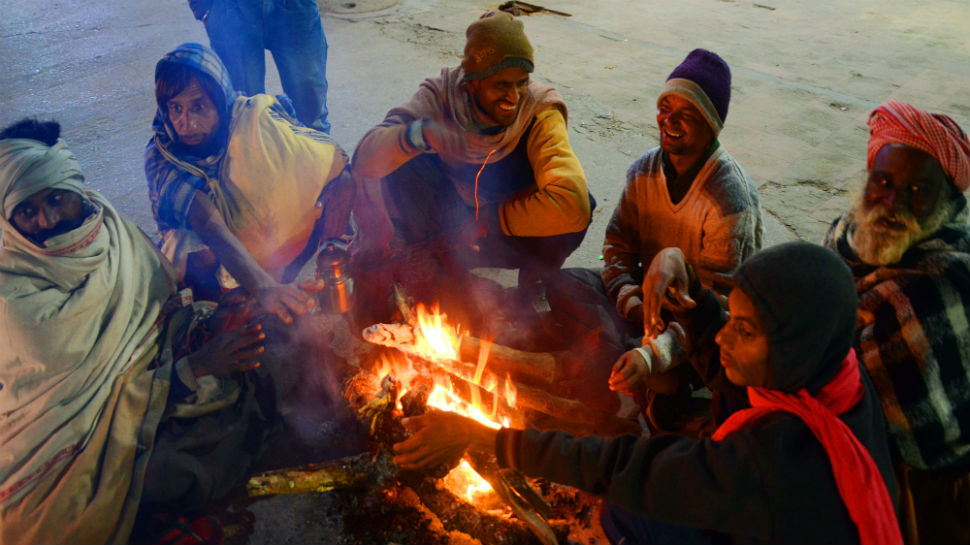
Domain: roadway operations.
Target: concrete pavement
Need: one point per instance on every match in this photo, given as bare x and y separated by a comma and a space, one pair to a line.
805, 77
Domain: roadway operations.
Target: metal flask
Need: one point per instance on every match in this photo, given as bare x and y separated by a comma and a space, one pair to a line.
332, 268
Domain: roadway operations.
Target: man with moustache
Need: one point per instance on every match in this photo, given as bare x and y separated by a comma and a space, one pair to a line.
107, 370
688, 193
241, 193
907, 242
475, 170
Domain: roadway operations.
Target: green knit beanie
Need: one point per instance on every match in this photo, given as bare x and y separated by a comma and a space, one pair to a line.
495, 41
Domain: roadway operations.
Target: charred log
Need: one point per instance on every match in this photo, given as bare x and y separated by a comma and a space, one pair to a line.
456, 514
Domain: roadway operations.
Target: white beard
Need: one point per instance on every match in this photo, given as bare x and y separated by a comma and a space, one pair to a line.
877, 245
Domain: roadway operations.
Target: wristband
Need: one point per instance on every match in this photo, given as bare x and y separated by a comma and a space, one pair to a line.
415, 135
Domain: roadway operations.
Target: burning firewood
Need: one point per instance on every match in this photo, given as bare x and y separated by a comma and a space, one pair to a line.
528, 397
373, 471
542, 366
490, 529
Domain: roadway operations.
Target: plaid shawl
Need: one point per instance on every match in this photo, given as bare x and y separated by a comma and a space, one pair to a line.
913, 336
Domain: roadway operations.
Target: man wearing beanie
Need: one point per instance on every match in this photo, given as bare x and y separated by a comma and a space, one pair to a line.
474, 170
687, 193
907, 242
806, 462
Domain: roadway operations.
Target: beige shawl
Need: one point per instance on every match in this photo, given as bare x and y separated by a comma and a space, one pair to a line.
78, 331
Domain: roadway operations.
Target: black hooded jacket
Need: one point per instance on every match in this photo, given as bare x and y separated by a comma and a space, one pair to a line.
769, 482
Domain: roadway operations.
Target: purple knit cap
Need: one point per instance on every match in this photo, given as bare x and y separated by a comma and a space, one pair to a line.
705, 80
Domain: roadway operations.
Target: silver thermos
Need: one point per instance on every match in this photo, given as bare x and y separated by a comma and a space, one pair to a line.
332, 268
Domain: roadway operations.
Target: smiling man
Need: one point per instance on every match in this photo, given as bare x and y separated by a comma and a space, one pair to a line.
907, 241
478, 157
687, 193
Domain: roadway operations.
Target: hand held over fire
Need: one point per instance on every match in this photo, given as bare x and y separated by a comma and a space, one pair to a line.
440, 437
629, 371
286, 300
228, 352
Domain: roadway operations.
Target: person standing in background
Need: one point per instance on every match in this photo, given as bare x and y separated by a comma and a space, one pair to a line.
240, 30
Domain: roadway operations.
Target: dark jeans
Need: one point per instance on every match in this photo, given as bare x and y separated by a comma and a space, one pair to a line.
425, 209
240, 30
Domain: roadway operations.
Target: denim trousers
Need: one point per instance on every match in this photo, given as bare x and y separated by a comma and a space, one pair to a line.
240, 30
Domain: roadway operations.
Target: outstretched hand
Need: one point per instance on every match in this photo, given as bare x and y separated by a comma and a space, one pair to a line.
440, 437
228, 352
665, 285
285, 300
629, 371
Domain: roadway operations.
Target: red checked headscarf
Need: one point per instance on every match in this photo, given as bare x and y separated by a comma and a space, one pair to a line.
935, 134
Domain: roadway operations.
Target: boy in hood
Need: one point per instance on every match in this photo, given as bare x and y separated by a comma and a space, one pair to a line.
808, 462
237, 185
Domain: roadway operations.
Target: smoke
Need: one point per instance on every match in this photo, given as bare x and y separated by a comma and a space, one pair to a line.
307, 362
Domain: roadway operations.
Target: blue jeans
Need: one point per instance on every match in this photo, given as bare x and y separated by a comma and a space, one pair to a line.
240, 30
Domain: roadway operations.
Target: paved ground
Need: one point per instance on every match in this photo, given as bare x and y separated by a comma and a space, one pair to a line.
806, 74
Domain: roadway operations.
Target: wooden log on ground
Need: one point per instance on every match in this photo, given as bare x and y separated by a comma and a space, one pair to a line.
362, 470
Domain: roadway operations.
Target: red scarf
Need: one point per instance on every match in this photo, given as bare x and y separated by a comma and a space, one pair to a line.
860, 483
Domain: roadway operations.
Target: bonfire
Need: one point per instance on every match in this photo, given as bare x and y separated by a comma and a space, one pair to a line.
426, 363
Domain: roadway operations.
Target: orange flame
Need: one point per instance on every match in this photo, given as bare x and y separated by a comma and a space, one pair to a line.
439, 342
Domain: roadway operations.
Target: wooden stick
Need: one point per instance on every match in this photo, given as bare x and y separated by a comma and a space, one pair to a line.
503, 359
353, 471
569, 410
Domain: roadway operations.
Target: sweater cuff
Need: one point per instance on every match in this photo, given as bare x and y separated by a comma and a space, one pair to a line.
647, 356
506, 447
415, 135
629, 297
666, 349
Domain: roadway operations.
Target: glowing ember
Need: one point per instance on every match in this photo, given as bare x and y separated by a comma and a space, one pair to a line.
464, 482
